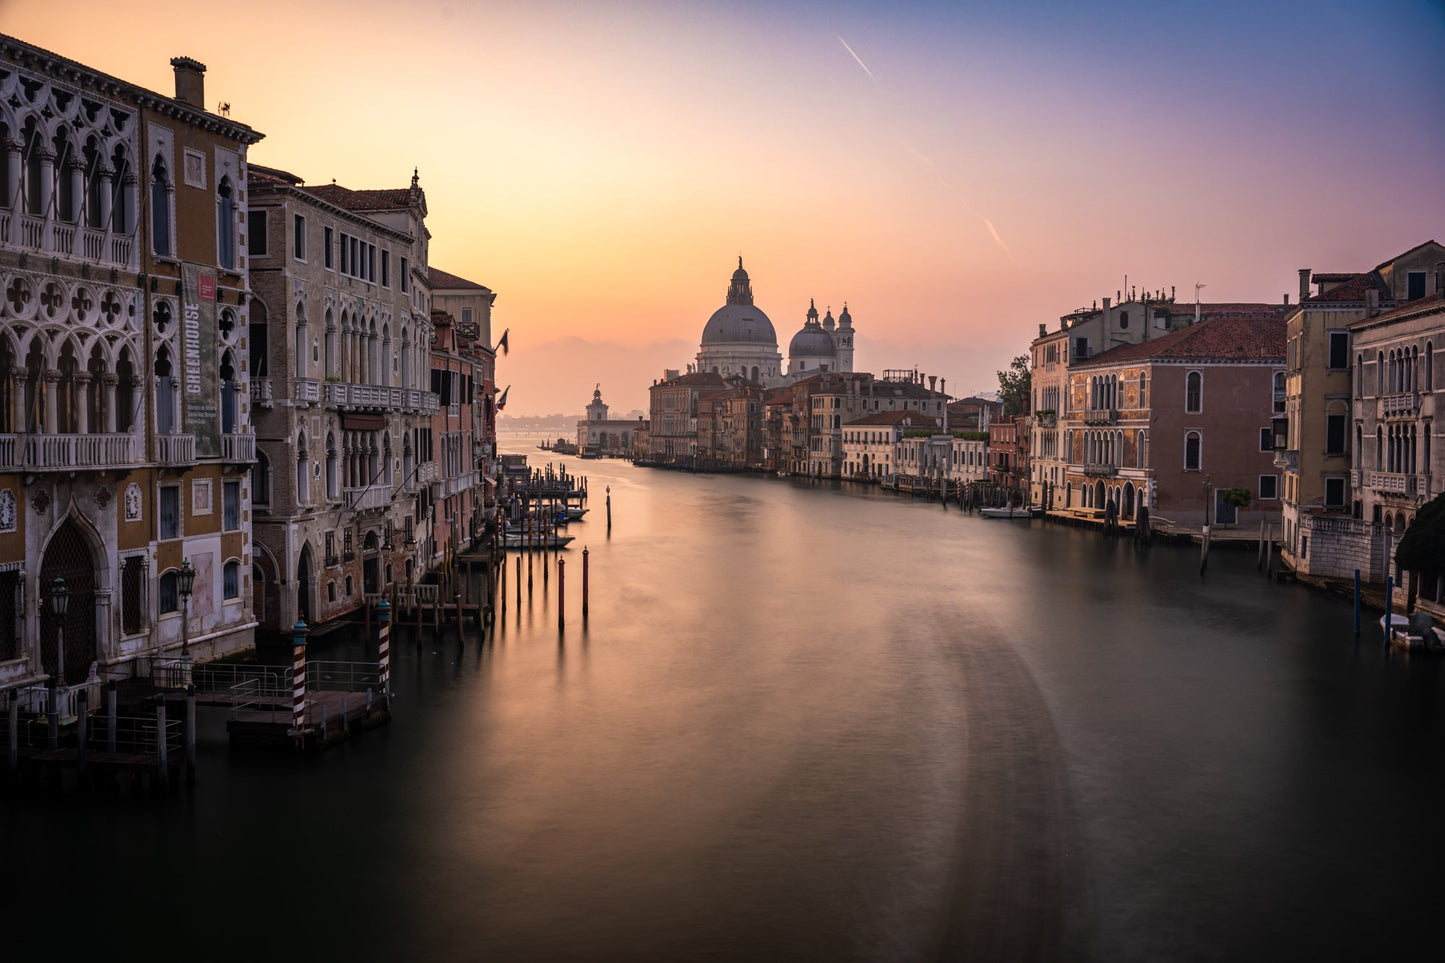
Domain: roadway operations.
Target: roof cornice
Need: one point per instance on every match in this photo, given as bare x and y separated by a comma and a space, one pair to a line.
87, 78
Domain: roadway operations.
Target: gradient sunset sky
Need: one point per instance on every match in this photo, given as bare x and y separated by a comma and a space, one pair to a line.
957, 172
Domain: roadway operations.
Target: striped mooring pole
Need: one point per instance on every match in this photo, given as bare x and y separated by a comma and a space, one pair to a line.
383, 650
298, 677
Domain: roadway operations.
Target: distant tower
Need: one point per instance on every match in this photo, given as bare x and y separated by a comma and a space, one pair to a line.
844, 338
597, 410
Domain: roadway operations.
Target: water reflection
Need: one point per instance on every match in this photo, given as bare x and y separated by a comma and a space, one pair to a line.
811, 721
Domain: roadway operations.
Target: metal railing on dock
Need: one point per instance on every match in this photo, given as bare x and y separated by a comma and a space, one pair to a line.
343, 676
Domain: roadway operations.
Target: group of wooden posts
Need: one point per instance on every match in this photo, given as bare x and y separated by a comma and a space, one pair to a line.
493, 591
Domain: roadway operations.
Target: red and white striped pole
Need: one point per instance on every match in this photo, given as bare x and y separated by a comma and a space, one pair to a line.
298, 677
383, 650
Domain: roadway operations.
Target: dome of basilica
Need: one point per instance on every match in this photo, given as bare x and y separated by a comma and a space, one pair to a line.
739, 321
812, 342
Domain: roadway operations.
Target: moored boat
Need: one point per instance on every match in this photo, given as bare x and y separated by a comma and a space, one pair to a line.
1010, 511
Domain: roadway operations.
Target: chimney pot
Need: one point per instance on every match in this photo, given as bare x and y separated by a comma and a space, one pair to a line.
1286, 299
1304, 284
190, 81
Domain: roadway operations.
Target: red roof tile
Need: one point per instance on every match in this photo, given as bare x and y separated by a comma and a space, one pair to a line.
1229, 338
384, 199
913, 418
1355, 289
441, 279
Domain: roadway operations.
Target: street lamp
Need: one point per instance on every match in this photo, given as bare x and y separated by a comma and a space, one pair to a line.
185, 581
59, 604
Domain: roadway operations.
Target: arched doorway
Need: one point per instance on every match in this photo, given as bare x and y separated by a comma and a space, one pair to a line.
265, 597
1129, 500
69, 556
305, 611
1098, 494
370, 565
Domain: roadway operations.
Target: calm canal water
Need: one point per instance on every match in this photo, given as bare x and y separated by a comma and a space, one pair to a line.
808, 722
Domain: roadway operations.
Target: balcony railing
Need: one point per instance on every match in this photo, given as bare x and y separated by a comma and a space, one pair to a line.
60, 237
368, 499
1101, 471
1101, 416
1402, 405
307, 391
1046, 419
261, 392
238, 449
176, 449
97, 452
1396, 483
425, 474
342, 394
1287, 460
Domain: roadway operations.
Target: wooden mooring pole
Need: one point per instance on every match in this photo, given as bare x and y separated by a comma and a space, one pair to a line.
298, 680
584, 584
561, 593
383, 651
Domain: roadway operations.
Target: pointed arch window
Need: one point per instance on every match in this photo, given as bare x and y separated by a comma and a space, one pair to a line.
161, 209
225, 225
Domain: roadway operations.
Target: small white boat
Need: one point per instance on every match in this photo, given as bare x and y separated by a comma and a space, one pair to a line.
1012, 511
520, 540
1394, 620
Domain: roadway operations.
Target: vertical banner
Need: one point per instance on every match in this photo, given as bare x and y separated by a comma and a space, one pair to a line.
200, 375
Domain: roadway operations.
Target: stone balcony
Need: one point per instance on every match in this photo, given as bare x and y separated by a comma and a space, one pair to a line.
90, 452
372, 498
1101, 416
1405, 404
306, 391
1093, 470
1396, 483
238, 449
1287, 460
176, 450
425, 474
379, 397
28, 232
261, 392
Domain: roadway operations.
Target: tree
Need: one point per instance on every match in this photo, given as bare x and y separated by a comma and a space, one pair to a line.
1015, 386
1422, 549
1236, 497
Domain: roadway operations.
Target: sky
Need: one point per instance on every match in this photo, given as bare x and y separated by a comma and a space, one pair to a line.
957, 173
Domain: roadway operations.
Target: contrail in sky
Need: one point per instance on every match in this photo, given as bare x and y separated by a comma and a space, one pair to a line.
994, 231
857, 58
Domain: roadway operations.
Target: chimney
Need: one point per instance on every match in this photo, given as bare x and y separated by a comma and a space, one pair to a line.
190, 81
1286, 299
1044, 328
1106, 307
932, 382
1373, 300
1304, 284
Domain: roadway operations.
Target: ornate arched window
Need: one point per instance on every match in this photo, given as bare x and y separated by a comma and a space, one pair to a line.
161, 209
225, 225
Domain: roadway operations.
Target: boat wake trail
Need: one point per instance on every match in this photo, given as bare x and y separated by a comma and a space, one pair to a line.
1017, 888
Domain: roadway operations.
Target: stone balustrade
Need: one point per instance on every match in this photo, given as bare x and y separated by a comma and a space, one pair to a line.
377, 496
176, 449
238, 449
96, 452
